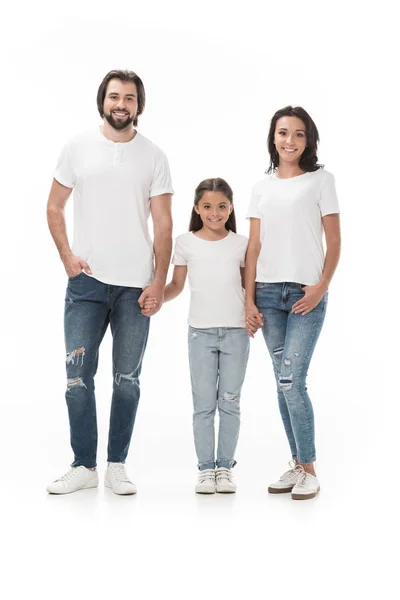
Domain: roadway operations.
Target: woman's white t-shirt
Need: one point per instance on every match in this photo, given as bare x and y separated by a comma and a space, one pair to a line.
291, 212
217, 296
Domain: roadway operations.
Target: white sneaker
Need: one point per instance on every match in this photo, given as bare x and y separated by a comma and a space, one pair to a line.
307, 486
206, 482
77, 478
117, 479
288, 480
224, 481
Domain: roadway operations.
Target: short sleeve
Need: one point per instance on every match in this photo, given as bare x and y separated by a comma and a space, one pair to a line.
161, 183
180, 257
328, 202
64, 172
243, 249
253, 210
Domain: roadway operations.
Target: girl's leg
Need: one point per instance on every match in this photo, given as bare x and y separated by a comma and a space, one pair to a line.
301, 337
233, 344
203, 360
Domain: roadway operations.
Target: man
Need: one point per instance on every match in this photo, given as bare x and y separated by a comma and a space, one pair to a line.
119, 178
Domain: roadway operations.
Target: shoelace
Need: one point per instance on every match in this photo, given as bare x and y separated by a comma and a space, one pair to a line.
302, 478
71, 473
294, 469
120, 473
206, 475
223, 473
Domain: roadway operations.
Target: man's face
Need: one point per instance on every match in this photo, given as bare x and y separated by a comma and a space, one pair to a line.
120, 103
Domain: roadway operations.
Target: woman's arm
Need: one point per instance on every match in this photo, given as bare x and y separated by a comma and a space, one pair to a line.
254, 318
314, 293
331, 225
174, 288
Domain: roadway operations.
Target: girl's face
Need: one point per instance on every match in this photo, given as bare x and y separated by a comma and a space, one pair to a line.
214, 209
290, 139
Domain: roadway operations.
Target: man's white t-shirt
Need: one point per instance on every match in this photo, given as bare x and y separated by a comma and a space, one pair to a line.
291, 212
217, 296
113, 186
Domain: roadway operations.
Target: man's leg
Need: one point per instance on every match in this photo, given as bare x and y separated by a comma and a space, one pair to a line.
130, 332
85, 323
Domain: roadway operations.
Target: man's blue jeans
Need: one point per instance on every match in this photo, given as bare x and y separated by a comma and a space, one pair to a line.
291, 340
89, 307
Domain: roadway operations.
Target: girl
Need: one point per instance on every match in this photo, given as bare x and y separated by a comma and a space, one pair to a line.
287, 277
214, 256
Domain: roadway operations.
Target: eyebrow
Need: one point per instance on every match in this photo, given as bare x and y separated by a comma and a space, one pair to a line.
126, 95
284, 129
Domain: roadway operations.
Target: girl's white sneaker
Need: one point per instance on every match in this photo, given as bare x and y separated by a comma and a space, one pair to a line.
206, 482
224, 483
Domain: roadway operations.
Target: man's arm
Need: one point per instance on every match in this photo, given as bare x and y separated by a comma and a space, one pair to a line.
162, 227
58, 197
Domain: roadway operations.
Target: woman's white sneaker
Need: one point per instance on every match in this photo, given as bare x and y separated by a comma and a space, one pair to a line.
224, 483
117, 479
288, 480
77, 478
307, 486
206, 482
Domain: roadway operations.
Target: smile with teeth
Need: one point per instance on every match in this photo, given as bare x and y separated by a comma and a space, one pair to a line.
215, 220
290, 149
118, 113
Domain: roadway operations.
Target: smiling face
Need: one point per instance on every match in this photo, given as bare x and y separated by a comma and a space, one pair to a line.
214, 209
290, 139
120, 103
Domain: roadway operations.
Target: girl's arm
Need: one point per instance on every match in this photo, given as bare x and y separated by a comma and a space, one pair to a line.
254, 318
314, 293
174, 288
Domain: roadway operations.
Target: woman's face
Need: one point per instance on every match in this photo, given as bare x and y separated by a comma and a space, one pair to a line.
290, 139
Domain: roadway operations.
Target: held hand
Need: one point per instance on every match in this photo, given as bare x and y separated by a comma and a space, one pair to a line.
74, 265
312, 297
254, 319
151, 299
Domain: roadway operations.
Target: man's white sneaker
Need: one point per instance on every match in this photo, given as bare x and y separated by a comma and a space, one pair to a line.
206, 482
288, 480
77, 478
307, 486
117, 479
224, 483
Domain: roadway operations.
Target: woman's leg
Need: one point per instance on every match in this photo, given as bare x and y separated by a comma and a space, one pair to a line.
269, 302
302, 333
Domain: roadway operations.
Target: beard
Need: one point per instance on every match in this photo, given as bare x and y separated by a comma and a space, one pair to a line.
118, 124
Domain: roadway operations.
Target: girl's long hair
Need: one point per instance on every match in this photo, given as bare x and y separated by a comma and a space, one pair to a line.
215, 184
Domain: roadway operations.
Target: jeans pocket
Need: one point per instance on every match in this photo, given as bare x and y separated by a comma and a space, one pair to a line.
260, 285
75, 276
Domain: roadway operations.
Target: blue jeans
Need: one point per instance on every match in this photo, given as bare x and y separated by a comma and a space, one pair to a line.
218, 359
291, 340
89, 307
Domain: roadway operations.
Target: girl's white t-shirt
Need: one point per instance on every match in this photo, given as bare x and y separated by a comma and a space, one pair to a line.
217, 296
291, 212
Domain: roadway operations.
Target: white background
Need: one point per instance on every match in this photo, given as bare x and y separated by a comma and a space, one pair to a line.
214, 74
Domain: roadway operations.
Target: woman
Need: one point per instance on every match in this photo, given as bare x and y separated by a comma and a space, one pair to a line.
288, 275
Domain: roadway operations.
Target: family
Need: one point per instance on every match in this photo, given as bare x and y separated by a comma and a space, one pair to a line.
277, 280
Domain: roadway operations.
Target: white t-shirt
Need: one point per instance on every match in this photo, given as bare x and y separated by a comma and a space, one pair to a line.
291, 212
217, 296
113, 186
